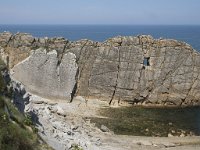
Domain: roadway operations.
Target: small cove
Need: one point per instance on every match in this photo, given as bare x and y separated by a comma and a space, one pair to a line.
142, 121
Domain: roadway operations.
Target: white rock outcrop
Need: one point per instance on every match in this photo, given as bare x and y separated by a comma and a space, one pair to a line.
44, 74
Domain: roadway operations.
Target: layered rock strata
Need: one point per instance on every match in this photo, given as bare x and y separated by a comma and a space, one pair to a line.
137, 70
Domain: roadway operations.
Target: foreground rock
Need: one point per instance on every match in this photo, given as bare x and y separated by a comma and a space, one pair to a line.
135, 70
62, 126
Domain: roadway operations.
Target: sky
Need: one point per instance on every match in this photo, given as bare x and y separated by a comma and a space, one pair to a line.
130, 12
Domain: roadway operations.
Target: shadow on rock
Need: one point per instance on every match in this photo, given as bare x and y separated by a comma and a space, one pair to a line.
34, 118
16, 91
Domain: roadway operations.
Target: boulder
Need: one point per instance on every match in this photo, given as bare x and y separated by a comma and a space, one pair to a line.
104, 128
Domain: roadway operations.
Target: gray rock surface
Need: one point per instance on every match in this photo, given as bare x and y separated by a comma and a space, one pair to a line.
135, 70
62, 128
43, 74
104, 128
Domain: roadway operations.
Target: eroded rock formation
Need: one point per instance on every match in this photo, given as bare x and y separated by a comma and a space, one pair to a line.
138, 69
43, 74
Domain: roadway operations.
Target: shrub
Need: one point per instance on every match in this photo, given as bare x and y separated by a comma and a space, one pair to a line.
75, 147
13, 134
2, 82
28, 120
13, 137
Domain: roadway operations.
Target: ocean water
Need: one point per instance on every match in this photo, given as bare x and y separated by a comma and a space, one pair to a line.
189, 34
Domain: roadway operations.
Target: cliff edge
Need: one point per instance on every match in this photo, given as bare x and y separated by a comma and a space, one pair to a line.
133, 70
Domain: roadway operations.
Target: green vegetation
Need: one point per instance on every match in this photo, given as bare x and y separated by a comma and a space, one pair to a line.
141, 121
2, 83
16, 129
76, 147
13, 134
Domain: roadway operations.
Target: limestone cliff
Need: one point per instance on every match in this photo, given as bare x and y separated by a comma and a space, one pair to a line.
137, 70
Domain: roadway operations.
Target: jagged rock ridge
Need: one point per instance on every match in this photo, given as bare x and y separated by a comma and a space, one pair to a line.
122, 69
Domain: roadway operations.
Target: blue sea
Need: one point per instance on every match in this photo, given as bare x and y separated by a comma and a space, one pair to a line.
189, 34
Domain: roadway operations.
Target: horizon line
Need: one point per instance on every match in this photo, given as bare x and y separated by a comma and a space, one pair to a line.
113, 24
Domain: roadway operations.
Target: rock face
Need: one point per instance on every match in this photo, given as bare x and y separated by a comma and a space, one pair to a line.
43, 74
137, 70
